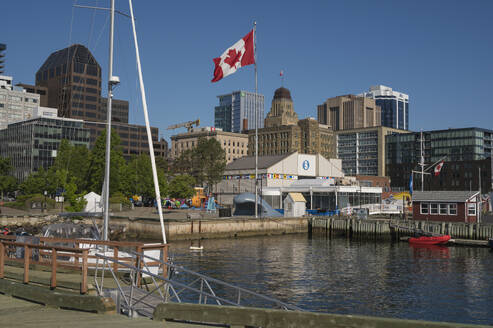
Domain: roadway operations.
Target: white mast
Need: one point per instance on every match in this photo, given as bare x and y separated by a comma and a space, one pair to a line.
148, 128
106, 184
422, 161
256, 117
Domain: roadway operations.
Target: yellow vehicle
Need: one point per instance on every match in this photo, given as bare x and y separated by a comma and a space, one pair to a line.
199, 199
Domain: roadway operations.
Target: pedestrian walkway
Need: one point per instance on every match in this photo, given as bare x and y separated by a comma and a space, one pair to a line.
19, 313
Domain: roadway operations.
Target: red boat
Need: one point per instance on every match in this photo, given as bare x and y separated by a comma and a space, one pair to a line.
429, 240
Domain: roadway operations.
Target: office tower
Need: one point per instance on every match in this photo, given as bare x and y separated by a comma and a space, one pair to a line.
362, 151
349, 112
73, 79
236, 111
394, 105
464, 151
33, 143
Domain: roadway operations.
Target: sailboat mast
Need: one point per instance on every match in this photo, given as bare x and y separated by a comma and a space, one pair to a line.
422, 162
106, 184
148, 128
256, 117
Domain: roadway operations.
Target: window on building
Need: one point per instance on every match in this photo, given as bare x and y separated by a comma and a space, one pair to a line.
443, 209
79, 68
471, 209
433, 209
425, 208
452, 210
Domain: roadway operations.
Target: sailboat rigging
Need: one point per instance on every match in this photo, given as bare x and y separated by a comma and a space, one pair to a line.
113, 81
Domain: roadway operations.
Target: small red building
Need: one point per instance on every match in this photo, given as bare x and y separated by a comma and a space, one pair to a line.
450, 206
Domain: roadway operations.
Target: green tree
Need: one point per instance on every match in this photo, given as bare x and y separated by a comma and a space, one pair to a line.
206, 162
7, 181
181, 186
35, 183
97, 160
76, 201
75, 161
138, 179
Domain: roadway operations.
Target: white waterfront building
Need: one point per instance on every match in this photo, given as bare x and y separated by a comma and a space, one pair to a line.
321, 181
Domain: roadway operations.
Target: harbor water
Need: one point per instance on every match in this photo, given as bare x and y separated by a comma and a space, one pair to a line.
341, 276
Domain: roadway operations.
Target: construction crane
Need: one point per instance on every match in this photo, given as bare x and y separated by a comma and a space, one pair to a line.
189, 125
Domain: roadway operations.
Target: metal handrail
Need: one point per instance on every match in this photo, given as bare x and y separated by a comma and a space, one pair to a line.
207, 278
169, 285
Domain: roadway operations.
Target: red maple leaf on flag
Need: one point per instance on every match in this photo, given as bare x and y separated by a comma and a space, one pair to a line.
233, 57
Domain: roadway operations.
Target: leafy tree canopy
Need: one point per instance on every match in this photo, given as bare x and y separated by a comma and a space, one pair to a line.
181, 186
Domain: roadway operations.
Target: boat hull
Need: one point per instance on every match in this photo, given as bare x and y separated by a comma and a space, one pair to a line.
425, 240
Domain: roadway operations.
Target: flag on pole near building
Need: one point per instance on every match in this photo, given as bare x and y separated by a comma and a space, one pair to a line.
238, 55
411, 184
282, 73
438, 168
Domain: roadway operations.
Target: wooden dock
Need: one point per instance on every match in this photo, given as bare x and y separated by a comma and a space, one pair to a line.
476, 234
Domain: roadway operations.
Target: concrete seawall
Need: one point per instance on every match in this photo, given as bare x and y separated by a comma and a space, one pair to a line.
211, 228
179, 229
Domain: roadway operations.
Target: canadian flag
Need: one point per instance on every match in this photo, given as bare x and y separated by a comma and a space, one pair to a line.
438, 168
238, 55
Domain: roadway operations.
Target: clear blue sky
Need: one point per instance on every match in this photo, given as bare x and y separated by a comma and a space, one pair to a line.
439, 52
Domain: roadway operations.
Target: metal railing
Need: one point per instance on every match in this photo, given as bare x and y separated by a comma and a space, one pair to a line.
179, 284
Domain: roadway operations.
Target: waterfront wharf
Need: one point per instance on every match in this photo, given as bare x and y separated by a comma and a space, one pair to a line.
16, 312
395, 229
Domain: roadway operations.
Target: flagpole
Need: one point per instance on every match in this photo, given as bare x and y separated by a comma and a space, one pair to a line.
256, 117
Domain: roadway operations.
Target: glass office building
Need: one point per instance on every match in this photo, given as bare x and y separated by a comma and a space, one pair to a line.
394, 106
362, 151
464, 152
236, 111
33, 144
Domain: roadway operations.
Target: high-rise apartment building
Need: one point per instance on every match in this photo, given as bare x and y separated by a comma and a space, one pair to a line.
394, 105
349, 112
3, 47
236, 111
72, 77
15, 103
285, 133
465, 151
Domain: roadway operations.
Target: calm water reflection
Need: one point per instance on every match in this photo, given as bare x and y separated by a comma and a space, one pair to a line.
341, 276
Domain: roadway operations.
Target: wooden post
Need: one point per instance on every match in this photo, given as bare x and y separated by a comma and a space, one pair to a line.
165, 259
26, 264
83, 287
138, 260
115, 257
2, 258
53, 268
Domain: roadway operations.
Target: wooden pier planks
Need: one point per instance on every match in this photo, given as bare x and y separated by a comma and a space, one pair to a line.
383, 229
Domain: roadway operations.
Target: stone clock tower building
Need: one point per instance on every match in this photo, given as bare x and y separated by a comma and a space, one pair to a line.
284, 133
